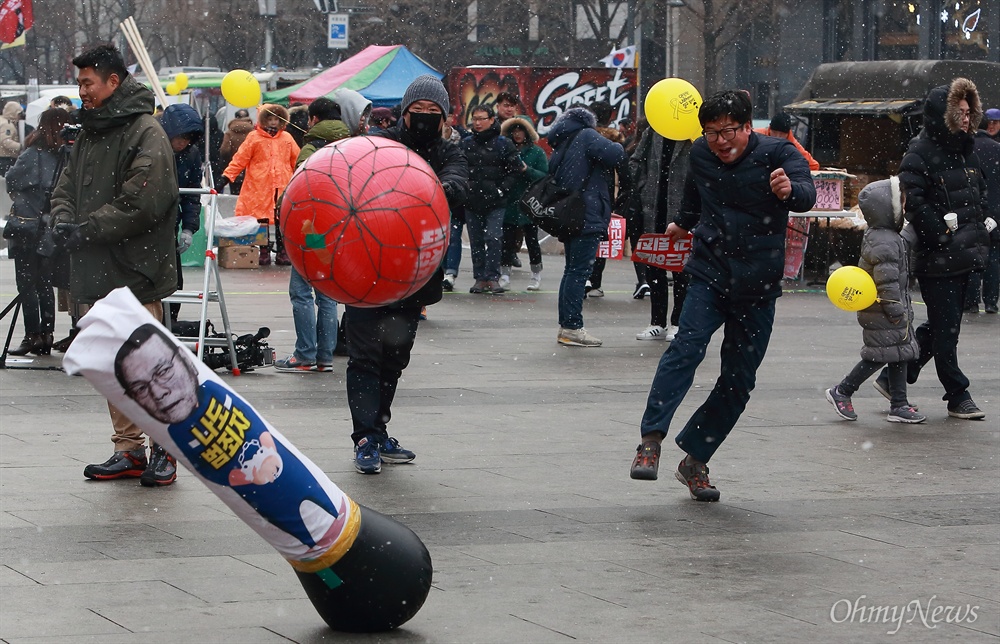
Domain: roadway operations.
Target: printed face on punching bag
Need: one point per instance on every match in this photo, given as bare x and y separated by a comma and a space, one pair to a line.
156, 377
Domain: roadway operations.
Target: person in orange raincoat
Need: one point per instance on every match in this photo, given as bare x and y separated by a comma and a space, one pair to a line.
781, 127
268, 156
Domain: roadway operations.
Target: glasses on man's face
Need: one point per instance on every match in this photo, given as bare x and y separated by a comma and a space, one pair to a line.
162, 373
727, 134
481, 118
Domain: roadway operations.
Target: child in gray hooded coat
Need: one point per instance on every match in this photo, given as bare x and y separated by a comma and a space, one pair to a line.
886, 324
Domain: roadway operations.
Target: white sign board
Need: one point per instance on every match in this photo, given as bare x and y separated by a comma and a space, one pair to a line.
336, 30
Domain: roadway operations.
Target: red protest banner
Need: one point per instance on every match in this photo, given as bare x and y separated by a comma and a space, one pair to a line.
657, 250
614, 248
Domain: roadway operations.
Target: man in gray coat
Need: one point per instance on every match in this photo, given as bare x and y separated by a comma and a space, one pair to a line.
658, 167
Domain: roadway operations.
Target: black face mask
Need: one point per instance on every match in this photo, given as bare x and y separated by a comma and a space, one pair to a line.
425, 127
273, 131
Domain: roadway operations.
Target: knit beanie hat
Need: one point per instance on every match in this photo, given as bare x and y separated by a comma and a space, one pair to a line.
781, 122
426, 88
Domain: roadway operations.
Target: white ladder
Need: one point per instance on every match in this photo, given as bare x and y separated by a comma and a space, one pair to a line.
204, 296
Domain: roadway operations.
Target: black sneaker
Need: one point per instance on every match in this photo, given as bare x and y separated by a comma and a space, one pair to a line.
646, 461
695, 477
842, 403
641, 291
391, 452
967, 410
120, 465
162, 469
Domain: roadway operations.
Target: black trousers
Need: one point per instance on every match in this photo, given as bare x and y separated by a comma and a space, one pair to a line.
379, 341
938, 336
38, 303
659, 302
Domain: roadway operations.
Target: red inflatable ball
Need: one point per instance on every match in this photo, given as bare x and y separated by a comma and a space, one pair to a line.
365, 221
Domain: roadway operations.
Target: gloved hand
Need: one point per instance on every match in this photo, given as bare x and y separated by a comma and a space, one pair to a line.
184, 242
223, 182
73, 236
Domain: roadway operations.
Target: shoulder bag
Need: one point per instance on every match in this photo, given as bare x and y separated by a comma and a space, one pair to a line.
557, 210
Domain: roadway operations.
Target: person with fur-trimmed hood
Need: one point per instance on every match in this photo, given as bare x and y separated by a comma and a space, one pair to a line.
888, 323
583, 160
237, 131
268, 156
10, 141
522, 133
940, 174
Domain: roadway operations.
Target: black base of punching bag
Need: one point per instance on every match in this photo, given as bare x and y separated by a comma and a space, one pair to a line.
380, 583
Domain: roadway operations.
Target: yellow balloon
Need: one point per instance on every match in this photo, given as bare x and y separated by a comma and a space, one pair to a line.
241, 89
181, 80
173, 89
671, 108
851, 288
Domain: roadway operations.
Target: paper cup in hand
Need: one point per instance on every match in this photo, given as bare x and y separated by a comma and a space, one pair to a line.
951, 219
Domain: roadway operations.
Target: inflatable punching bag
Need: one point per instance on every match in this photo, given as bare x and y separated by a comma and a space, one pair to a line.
363, 571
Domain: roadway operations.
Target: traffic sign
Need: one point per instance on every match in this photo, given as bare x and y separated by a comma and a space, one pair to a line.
336, 30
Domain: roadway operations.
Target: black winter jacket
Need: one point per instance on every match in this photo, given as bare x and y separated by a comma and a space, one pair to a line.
737, 222
448, 162
177, 120
940, 173
494, 168
988, 152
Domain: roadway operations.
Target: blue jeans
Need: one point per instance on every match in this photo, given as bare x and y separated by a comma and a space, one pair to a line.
315, 336
453, 256
747, 330
486, 238
581, 252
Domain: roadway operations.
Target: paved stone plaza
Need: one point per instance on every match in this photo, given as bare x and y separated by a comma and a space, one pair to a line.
826, 530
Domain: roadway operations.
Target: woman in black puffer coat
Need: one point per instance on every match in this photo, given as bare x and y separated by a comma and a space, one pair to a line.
29, 183
940, 173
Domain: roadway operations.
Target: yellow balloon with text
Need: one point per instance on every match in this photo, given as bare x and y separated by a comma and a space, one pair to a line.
241, 89
671, 108
851, 288
173, 89
181, 80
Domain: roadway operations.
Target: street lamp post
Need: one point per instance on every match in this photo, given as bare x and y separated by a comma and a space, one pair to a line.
268, 10
671, 31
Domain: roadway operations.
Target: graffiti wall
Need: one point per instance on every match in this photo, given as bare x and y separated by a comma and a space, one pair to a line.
545, 92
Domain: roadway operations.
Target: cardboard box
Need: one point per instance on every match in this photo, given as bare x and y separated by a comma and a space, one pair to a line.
257, 239
239, 257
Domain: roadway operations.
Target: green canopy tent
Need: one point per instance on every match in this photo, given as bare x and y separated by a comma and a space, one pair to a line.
380, 73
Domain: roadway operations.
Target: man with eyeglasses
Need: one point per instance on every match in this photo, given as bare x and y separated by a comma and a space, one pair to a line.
738, 192
941, 174
227, 443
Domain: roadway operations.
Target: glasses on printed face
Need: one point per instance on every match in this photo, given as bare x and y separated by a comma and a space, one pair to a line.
162, 373
726, 133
